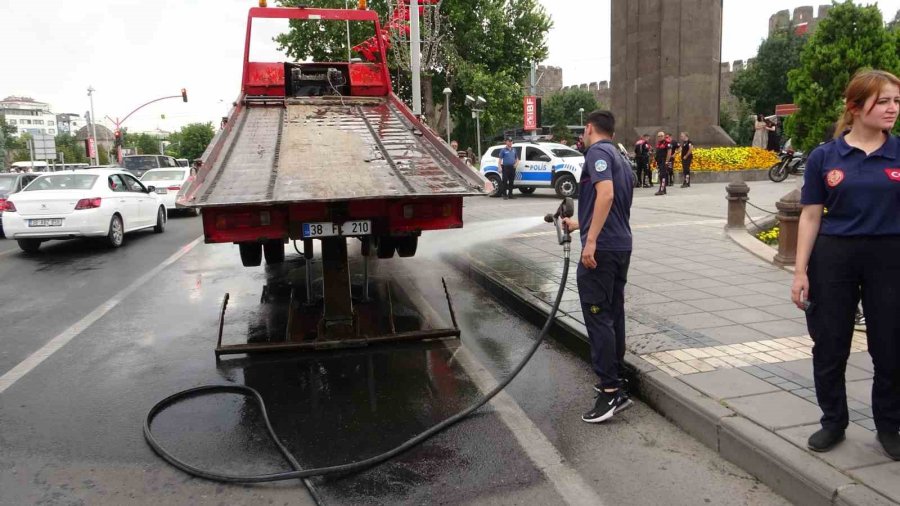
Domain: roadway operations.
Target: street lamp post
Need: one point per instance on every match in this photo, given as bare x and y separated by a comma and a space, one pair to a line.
447, 92
581, 112
96, 159
477, 105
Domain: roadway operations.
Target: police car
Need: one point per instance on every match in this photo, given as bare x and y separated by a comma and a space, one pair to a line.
542, 165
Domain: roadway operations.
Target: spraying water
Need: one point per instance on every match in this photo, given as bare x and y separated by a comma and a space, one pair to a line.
474, 233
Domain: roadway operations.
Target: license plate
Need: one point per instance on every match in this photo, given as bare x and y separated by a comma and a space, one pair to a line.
161, 191
49, 222
330, 229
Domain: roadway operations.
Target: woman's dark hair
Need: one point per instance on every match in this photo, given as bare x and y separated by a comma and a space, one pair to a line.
760, 117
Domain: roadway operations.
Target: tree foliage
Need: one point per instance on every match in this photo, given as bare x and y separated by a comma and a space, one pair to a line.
72, 149
848, 39
191, 141
562, 108
142, 143
487, 47
764, 84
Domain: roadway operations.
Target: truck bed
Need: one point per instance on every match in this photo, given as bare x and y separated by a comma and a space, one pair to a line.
329, 149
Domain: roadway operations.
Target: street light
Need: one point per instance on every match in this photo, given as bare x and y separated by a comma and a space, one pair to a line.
477, 105
581, 112
447, 92
96, 158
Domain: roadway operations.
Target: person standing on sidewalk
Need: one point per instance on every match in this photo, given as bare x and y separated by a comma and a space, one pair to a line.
662, 155
687, 156
507, 163
604, 209
854, 251
642, 159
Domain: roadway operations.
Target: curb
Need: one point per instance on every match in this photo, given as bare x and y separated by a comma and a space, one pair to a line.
788, 470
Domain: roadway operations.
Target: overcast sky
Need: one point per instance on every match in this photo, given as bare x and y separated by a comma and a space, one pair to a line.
132, 51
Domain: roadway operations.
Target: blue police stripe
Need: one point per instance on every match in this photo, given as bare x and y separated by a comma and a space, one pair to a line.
491, 168
535, 176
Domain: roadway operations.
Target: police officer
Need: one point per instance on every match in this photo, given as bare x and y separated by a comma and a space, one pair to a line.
507, 162
687, 156
604, 208
662, 155
853, 251
642, 158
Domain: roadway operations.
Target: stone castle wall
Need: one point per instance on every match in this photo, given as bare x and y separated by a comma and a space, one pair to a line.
805, 19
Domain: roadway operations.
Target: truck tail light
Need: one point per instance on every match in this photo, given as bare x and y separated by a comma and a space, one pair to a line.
243, 220
174, 188
88, 204
6, 205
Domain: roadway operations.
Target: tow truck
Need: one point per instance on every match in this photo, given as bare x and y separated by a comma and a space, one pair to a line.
325, 151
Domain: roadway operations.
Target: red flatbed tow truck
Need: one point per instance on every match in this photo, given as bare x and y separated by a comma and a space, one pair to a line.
327, 152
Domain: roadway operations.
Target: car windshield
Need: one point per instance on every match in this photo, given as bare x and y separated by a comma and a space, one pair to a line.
139, 162
163, 175
7, 183
566, 153
62, 182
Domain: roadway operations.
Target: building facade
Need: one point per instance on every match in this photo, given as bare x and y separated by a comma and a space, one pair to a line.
28, 115
69, 123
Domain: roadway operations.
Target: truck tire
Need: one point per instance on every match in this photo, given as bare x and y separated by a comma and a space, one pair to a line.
566, 186
386, 247
495, 180
251, 253
30, 246
406, 247
527, 190
273, 250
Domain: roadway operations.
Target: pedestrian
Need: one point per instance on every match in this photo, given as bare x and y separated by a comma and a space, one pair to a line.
851, 253
773, 143
662, 155
687, 157
642, 159
604, 209
760, 134
579, 144
507, 162
670, 163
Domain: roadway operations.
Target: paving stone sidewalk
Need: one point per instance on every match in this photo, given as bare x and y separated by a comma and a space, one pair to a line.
711, 315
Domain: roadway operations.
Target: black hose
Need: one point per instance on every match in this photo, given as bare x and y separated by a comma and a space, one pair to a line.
299, 473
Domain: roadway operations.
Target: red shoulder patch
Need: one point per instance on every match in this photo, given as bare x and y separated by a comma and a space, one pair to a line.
834, 177
893, 174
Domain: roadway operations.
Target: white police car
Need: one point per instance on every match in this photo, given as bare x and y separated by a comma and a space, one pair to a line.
544, 165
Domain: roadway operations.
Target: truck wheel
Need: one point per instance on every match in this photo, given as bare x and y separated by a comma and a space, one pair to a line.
496, 181
527, 190
386, 247
251, 253
273, 251
406, 247
565, 186
161, 218
30, 246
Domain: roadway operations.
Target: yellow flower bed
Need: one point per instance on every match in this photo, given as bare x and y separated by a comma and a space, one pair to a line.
769, 236
726, 159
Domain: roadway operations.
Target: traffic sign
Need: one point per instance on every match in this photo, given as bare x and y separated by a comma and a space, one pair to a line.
44, 146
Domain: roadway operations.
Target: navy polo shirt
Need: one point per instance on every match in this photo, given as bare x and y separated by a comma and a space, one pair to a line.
508, 156
603, 162
861, 193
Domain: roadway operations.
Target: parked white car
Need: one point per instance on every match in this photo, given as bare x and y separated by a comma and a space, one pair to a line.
87, 203
542, 165
168, 182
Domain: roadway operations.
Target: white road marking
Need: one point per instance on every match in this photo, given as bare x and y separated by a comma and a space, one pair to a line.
55, 344
565, 479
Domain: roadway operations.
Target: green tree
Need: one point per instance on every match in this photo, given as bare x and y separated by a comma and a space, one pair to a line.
848, 39
191, 141
142, 143
738, 124
562, 108
764, 84
70, 148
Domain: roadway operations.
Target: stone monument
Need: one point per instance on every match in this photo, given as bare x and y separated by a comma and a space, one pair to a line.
665, 69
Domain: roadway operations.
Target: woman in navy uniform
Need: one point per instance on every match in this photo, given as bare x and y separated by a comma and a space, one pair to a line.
853, 251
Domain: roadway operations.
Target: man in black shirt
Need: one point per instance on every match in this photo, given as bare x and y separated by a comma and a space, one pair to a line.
687, 156
642, 158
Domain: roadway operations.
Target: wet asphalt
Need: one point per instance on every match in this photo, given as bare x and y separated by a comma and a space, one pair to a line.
70, 429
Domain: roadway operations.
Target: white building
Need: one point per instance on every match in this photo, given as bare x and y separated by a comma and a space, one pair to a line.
69, 123
28, 115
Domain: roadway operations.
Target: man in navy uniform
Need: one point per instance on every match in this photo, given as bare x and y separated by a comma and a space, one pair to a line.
663, 154
507, 163
642, 159
604, 209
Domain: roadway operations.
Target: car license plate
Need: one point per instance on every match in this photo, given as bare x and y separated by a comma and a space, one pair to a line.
330, 229
161, 191
47, 222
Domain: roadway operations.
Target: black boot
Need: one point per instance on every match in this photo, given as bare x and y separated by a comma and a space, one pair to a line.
890, 441
825, 439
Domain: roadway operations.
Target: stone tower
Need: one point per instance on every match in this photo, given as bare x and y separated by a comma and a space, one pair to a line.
665, 68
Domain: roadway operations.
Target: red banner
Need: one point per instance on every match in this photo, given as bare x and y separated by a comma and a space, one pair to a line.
530, 113
90, 147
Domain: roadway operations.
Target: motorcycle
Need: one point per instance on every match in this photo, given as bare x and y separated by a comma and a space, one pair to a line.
790, 162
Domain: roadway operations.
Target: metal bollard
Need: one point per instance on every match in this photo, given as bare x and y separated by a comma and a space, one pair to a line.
737, 203
789, 209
